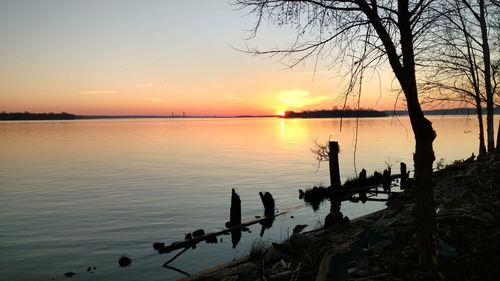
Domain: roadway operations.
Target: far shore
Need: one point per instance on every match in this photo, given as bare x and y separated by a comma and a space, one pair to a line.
28, 116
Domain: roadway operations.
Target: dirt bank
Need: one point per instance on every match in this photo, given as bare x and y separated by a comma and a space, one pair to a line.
381, 246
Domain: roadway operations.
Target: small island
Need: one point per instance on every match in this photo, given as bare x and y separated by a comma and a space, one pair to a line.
335, 113
36, 116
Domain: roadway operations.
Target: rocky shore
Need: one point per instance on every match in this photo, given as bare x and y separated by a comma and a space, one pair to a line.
381, 246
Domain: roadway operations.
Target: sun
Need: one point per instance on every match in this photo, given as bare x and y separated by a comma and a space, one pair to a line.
281, 114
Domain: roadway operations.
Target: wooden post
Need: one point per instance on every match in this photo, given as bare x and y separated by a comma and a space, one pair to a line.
268, 202
404, 176
386, 180
333, 156
361, 182
235, 212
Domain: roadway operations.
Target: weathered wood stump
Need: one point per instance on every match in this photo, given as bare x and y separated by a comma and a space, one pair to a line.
404, 175
362, 182
386, 180
235, 211
268, 202
269, 210
333, 156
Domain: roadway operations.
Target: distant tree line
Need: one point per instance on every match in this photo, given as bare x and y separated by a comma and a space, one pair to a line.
335, 113
36, 116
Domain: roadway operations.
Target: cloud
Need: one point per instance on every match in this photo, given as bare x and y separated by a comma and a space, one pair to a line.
97, 92
235, 98
298, 98
145, 85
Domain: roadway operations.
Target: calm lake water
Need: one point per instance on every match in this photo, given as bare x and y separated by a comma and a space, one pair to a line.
75, 194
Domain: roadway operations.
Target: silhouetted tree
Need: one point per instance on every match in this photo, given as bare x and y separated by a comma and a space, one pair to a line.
365, 34
463, 66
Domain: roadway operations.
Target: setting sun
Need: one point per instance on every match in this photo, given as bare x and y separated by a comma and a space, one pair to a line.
297, 99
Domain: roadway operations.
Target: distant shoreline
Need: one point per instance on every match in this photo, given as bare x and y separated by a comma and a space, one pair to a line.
28, 116
335, 113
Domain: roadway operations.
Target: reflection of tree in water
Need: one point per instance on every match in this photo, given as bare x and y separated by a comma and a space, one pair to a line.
313, 197
266, 224
269, 209
335, 216
235, 237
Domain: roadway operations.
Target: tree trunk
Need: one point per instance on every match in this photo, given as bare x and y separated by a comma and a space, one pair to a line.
424, 153
498, 138
479, 111
424, 197
487, 78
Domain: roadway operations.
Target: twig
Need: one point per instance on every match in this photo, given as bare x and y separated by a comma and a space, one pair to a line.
176, 269
373, 276
456, 216
174, 257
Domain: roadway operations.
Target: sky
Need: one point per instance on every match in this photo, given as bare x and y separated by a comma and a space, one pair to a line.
155, 57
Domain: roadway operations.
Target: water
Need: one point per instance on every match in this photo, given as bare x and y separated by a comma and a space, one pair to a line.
75, 194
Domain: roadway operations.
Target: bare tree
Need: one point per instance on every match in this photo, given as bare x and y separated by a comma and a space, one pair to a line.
364, 35
454, 68
485, 14
464, 64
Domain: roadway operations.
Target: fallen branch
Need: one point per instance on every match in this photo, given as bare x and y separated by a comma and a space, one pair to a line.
373, 276
195, 240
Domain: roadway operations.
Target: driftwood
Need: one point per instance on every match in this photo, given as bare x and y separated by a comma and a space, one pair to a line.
195, 240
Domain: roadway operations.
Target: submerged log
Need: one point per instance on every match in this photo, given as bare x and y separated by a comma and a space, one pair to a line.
189, 243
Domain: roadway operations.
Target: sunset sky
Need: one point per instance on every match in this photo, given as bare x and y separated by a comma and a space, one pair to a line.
155, 57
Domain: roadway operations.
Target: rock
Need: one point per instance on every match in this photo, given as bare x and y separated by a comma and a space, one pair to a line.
333, 267
299, 227
272, 256
158, 245
489, 217
299, 242
284, 249
382, 244
333, 218
91, 269
124, 261
446, 250
376, 269
454, 196
231, 278
359, 272
69, 274
374, 236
